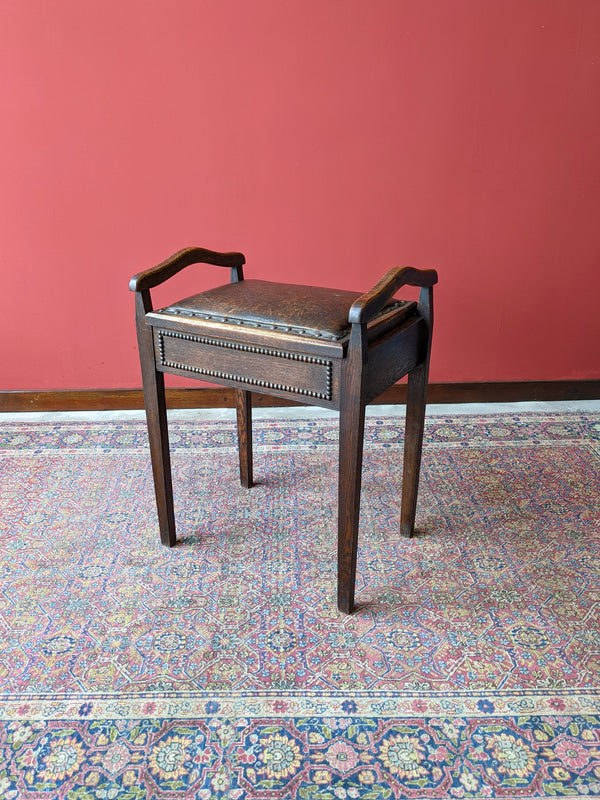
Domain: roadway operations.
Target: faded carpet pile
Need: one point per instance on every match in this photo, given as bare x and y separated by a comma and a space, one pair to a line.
222, 669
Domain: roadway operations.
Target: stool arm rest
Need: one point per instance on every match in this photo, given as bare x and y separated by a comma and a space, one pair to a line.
370, 303
183, 258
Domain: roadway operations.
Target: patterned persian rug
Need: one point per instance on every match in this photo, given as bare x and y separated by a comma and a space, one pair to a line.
222, 669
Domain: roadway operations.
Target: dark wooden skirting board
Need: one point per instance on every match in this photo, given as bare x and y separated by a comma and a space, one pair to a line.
209, 397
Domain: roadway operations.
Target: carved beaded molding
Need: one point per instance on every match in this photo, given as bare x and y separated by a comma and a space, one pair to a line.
246, 348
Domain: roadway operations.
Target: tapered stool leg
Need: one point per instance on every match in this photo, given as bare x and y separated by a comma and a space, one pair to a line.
158, 433
351, 449
413, 445
352, 426
243, 407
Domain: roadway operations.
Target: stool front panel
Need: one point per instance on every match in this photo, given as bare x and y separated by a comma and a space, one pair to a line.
300, 376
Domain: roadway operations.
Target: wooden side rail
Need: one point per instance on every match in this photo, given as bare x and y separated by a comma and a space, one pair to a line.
183, 258
370, 303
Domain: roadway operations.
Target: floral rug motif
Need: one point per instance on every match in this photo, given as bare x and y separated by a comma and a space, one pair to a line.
222, 669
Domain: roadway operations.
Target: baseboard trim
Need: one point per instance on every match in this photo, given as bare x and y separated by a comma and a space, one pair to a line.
209, 397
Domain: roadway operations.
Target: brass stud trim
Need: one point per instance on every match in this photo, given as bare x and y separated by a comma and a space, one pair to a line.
271, 326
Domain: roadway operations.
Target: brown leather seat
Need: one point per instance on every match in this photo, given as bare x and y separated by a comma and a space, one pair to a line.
282, 307
328, 347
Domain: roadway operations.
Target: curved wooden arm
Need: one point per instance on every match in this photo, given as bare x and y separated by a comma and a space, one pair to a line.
190, 255
370, 303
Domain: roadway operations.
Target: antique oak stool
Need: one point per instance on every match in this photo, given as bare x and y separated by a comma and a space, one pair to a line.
330, 348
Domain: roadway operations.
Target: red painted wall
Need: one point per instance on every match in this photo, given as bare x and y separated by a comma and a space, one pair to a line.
328, 140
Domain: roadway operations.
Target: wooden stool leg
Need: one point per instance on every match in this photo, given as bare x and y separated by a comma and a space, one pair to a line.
352, 424
413, 445
352, 427
243, 407
158, 432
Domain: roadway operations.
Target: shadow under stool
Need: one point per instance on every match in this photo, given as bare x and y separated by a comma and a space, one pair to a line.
331, 348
